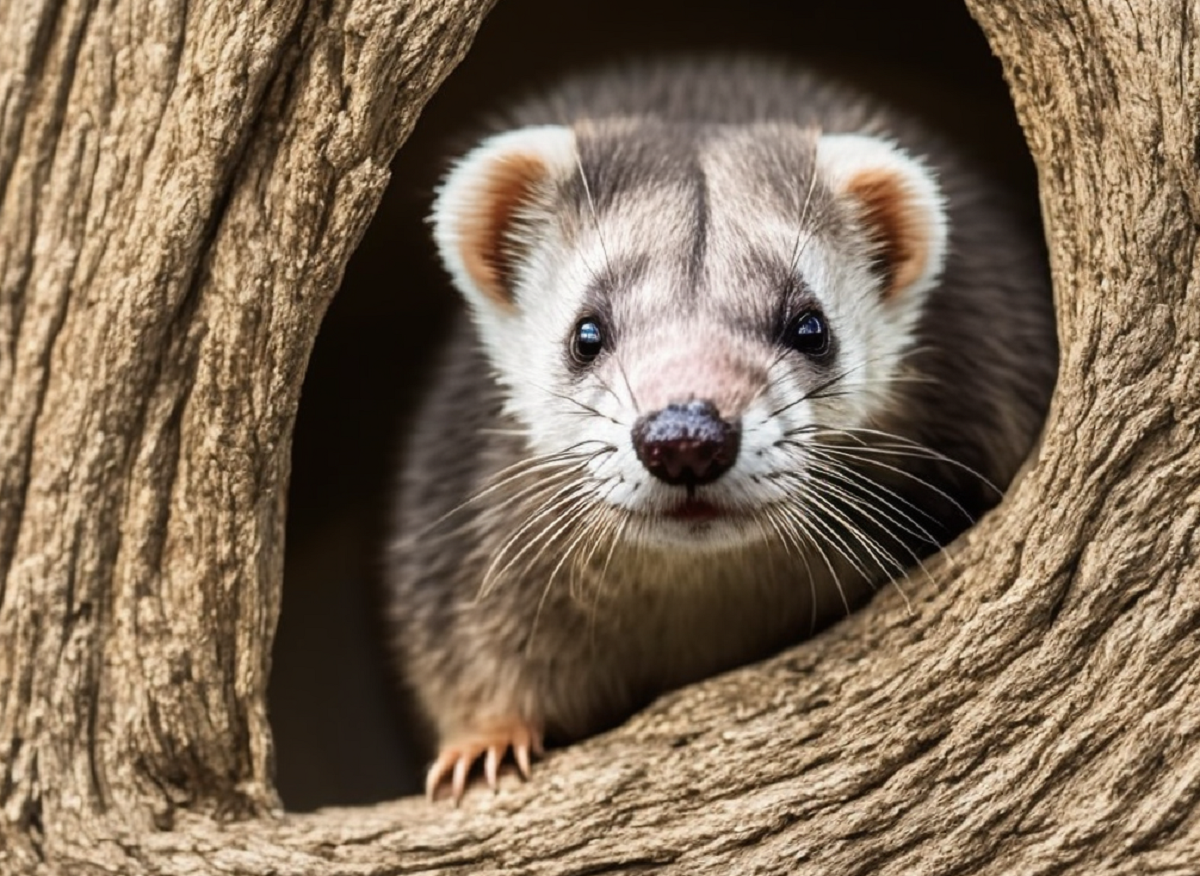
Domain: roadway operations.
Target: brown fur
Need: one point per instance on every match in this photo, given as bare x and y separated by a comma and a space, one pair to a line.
491, 246
903, 248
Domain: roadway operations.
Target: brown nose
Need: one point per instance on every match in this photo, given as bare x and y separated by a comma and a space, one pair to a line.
686, 443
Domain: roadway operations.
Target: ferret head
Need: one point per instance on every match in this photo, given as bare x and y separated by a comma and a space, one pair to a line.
680, 315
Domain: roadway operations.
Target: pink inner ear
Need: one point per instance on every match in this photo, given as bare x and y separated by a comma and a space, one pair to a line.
895, 223
490, 249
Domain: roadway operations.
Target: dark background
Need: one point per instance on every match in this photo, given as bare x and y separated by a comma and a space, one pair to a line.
340, 733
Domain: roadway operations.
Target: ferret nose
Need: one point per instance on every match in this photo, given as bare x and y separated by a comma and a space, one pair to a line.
686, 443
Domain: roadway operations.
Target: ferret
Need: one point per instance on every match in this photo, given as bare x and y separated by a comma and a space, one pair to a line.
743, 344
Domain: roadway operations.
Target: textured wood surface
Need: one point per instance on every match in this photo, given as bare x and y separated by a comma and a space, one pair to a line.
179, 197
182, 186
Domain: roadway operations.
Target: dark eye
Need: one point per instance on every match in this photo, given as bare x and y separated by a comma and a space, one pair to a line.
588, 341
808, 334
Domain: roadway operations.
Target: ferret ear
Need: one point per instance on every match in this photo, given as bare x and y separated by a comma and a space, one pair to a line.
898, 202
489, 208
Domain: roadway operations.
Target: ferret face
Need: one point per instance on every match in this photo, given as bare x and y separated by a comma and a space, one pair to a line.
685, 319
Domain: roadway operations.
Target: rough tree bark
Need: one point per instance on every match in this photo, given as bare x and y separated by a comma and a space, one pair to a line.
180, 194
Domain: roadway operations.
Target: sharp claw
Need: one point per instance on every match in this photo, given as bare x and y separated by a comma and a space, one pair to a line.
491, 768
521, 753
458, 784
453, 764
433, 778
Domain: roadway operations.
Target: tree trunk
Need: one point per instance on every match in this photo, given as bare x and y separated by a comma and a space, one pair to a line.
180, 196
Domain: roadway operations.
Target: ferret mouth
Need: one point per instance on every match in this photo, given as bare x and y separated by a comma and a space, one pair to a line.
693, 523
693, 510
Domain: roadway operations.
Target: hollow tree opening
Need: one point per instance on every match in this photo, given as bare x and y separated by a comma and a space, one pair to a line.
340, 733
179, 191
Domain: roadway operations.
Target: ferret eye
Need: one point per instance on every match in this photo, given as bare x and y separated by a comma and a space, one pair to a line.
808, 333
587, 342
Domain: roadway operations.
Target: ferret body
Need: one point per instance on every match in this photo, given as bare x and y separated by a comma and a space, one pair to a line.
744, 344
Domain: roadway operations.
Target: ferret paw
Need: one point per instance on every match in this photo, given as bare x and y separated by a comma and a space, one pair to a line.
456, 756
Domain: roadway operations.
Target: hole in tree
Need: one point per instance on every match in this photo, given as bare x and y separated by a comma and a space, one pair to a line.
342, 736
